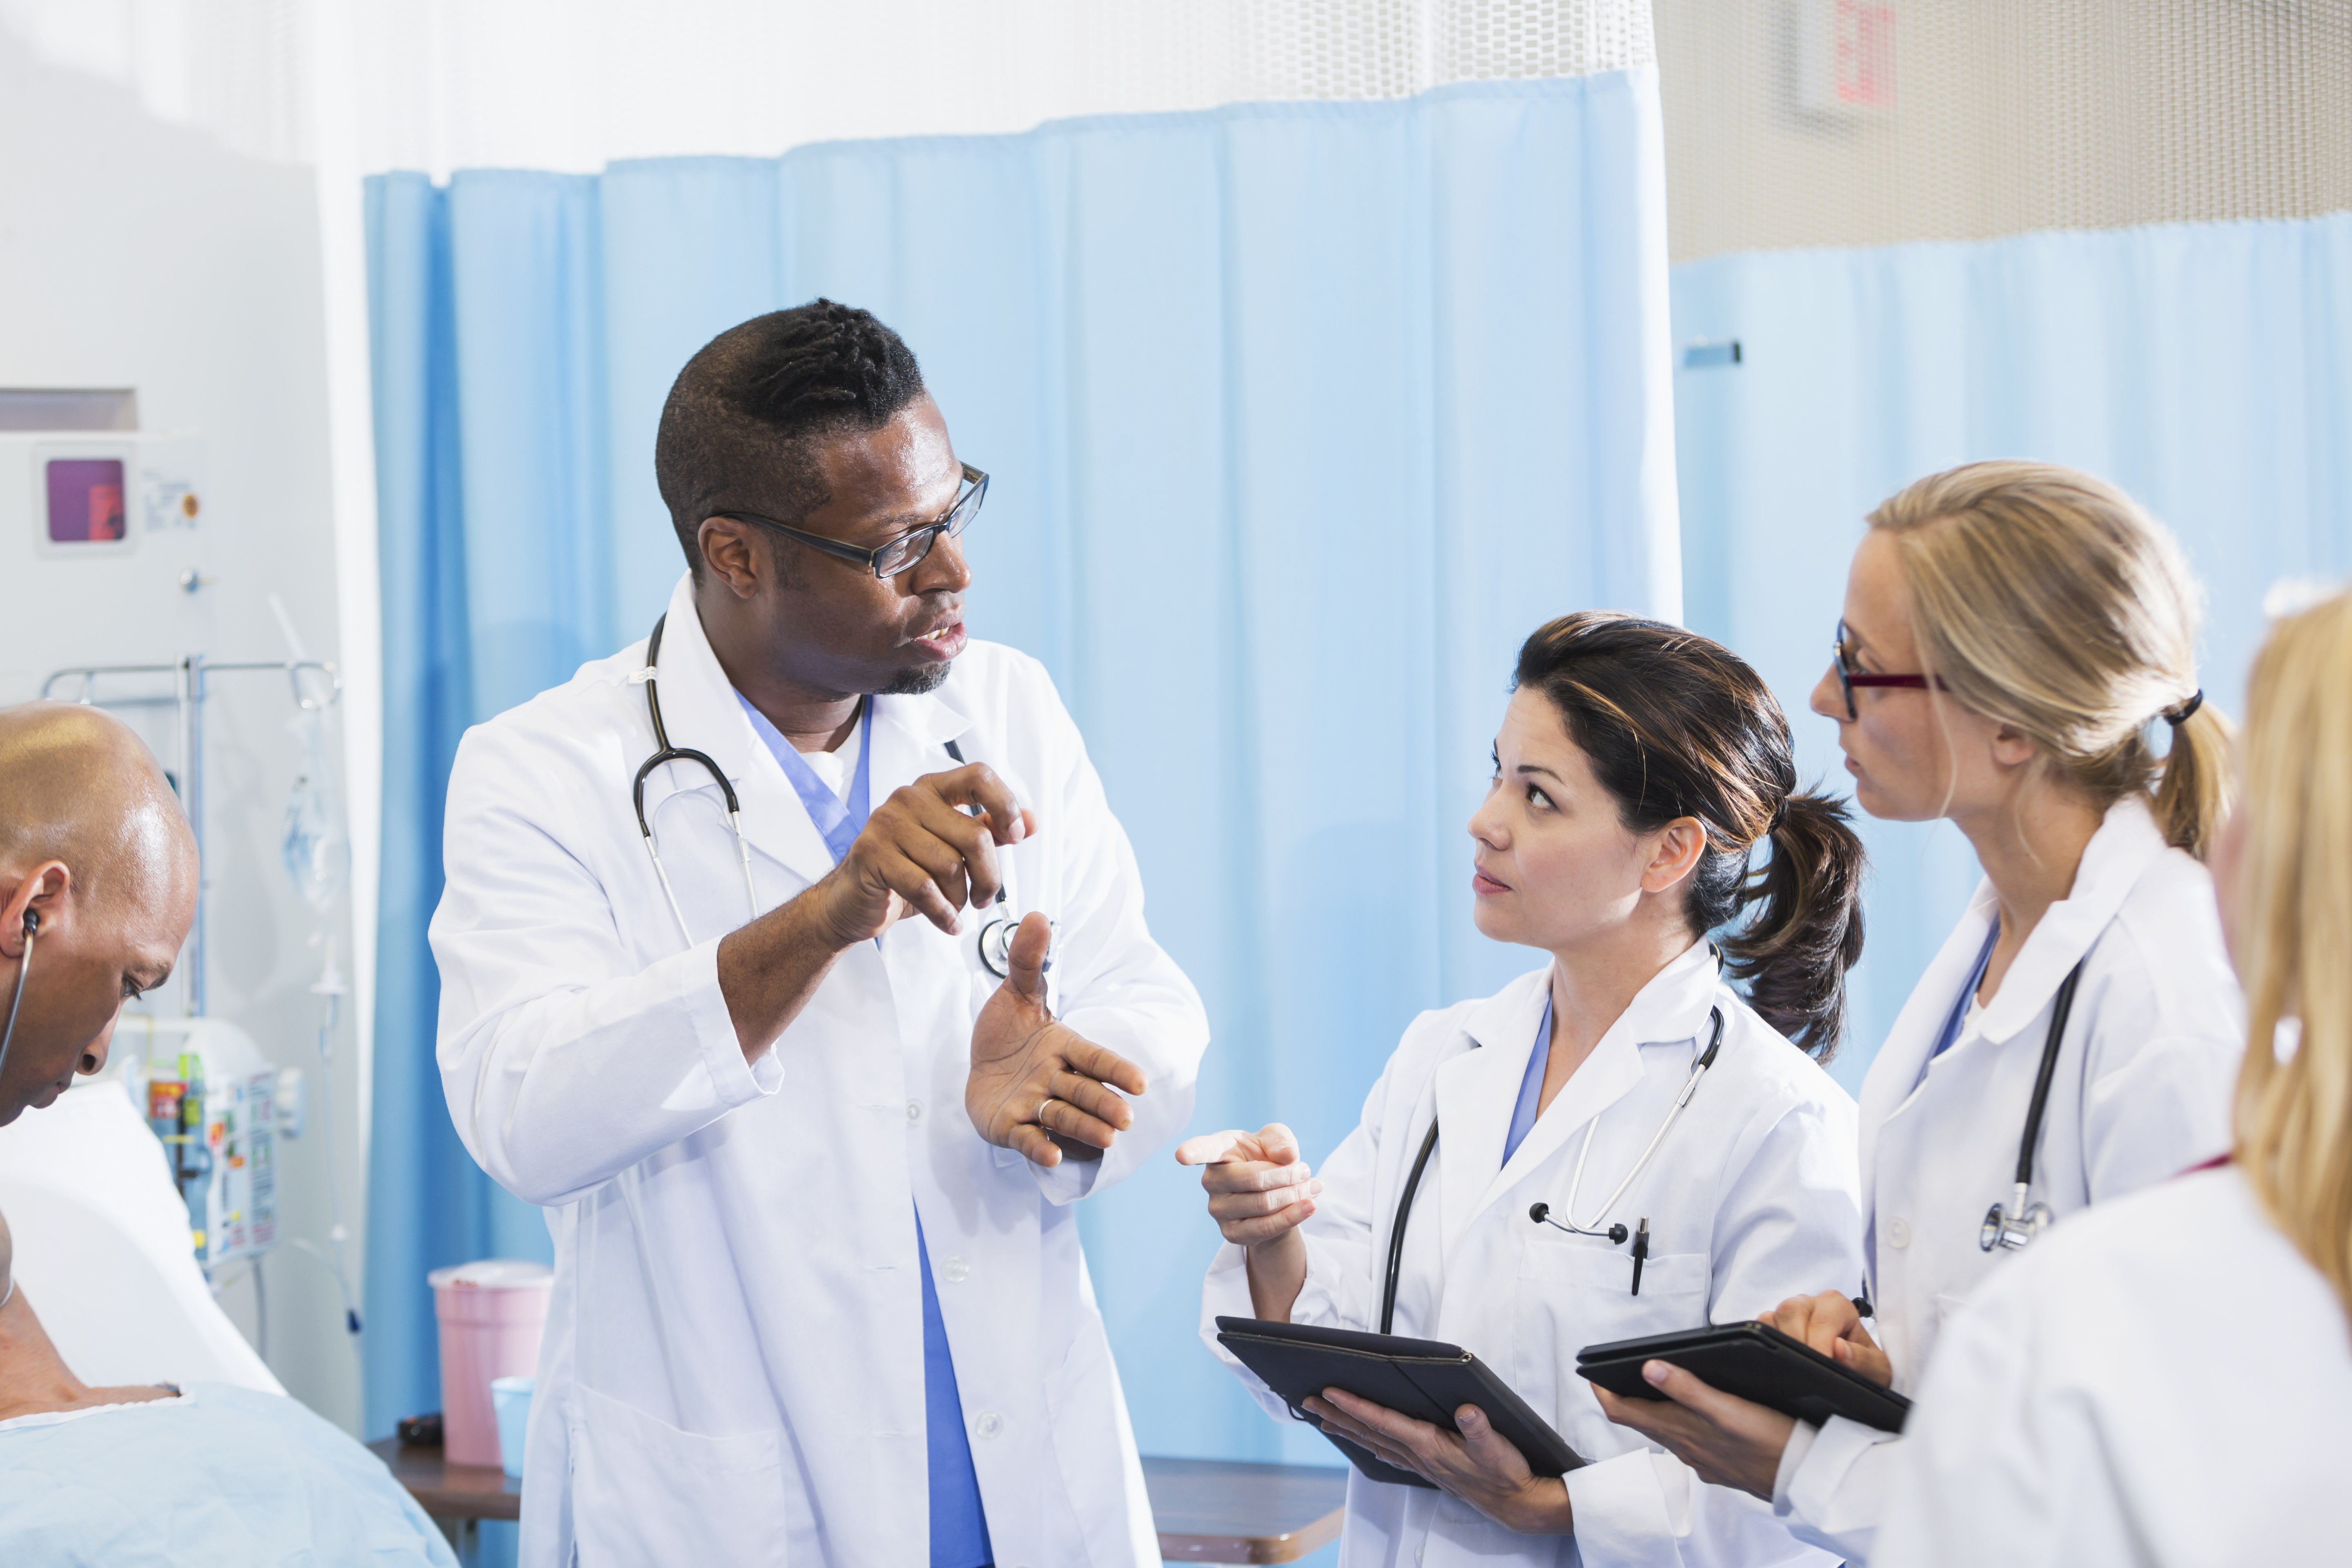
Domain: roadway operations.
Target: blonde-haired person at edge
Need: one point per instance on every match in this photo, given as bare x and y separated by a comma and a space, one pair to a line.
2097, 1394
1636, 768
2015, 634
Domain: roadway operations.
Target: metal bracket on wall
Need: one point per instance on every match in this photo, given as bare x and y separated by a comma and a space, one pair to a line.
1704, 354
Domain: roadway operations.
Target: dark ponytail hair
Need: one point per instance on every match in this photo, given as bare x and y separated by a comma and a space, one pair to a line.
1675, 725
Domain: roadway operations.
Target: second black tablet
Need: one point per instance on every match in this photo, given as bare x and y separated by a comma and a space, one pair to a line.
1755, 1361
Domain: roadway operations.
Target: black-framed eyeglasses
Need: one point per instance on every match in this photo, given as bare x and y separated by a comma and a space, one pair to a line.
1849, 677
897, 555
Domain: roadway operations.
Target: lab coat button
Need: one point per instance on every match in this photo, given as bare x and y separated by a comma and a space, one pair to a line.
1898, 1232
989, 1425
914, 1111
954, 1268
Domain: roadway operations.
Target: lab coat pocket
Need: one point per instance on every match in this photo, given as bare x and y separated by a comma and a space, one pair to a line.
642, 1492
1573, 1293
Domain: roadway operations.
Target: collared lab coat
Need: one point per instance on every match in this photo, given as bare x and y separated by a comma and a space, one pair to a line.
733, 1365
1751, 1200
2169, 1382
2142, 1092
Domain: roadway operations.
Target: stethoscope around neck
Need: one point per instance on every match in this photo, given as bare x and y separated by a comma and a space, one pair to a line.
669, 754
1540, 1213
2017, 1224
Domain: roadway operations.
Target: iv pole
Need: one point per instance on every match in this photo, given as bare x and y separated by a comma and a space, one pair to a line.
190, 679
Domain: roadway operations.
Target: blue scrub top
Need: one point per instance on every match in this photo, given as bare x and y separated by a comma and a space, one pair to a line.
959, 1523
1523, 1115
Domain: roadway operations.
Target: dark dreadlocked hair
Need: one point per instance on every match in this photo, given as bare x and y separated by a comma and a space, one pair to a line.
1675, 725
737, 428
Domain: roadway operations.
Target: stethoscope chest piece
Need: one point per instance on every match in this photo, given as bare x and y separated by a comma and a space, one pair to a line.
995, 943
2001, 1228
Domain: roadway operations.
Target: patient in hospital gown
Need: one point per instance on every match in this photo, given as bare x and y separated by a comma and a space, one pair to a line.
206, 1475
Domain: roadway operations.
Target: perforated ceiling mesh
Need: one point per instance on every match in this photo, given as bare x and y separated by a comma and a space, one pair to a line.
572, 84
1800, 122
1788, 122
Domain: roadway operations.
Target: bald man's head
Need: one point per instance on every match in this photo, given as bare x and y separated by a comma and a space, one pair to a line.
93, 842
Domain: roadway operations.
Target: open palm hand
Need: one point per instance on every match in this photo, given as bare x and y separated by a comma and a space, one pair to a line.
1037, 1086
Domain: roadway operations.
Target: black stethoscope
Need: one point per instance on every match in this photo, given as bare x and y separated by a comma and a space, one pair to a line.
995, 940
1542, 1212
16, 997
2020, 1222
669, 754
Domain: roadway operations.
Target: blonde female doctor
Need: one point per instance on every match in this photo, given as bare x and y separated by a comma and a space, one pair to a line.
2087, 1388
1694, 1164
2015, 634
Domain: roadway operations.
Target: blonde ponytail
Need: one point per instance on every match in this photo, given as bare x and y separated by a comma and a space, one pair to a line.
2193, 796
2050, 601
2293, 937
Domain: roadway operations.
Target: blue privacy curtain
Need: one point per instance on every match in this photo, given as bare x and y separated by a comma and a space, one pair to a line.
1299, 416
2205, 368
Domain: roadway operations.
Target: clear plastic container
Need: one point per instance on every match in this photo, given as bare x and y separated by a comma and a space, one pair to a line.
511, 1402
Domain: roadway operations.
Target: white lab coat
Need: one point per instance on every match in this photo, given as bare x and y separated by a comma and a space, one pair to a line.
2142, 1093
1750, 1199
2167, 1382
732, 1371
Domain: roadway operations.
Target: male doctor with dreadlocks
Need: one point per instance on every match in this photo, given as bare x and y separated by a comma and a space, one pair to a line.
728, 985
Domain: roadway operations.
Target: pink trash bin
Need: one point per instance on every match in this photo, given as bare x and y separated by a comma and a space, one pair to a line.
491, 1315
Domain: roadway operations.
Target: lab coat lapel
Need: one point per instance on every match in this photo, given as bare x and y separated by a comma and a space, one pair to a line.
910, 737
1671, 1009
701, 710
1895, 1072
1477, 1092
2127, 844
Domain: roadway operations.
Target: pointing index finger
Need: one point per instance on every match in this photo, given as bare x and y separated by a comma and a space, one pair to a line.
1216, 1148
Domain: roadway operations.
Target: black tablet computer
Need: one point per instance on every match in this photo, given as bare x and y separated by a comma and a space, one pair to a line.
1425, 1379
1755, 1361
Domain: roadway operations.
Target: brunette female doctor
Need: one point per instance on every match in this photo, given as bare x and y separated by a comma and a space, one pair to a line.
1689, 1162
2018, 654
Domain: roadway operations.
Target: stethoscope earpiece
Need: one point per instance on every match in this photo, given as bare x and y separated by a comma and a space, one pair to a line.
16, 997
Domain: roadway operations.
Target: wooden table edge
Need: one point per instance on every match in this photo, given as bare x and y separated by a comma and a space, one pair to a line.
1288, 1547
489, 1493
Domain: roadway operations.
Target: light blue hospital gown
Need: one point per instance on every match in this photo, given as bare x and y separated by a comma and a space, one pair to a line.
223, 1478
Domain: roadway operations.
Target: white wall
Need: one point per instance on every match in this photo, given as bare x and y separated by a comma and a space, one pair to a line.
2007, 116
137, 253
